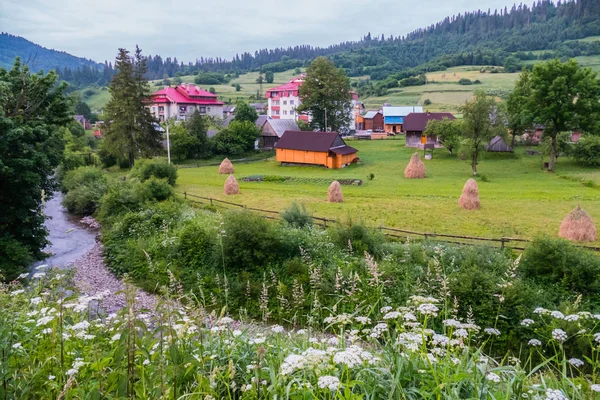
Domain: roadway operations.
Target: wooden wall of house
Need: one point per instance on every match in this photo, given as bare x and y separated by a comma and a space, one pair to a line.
268, 142
413, 139
313, 157
378, 122
340, 160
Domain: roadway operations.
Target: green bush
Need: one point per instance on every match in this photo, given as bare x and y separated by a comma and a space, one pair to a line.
465, 81
122, 197
144, 169
84, 199
360, 237
14, 258
107, 159
562, 267
82, 176
296, 216
427, 102
587, 151
159, 188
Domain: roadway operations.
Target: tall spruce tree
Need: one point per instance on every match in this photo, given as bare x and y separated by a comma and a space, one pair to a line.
130, 127
325, 95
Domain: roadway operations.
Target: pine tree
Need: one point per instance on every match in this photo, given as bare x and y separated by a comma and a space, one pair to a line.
130, 127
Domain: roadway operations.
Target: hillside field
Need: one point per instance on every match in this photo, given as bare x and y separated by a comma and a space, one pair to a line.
520, 199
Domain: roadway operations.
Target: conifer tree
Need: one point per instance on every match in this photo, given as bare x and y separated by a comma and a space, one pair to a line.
130, 127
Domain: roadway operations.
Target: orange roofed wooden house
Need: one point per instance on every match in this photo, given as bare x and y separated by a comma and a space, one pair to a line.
316, 148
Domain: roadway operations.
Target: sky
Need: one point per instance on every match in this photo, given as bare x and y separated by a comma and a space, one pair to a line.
194, 28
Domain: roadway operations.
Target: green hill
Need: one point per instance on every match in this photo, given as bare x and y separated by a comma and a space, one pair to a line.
36, 56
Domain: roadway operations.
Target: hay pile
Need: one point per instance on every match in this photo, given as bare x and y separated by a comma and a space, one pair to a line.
334, 194
226, 167
578, 226
469, 199
231, 186
415, 168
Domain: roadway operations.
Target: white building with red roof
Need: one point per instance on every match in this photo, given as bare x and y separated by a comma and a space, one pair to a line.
283, 101
181, 101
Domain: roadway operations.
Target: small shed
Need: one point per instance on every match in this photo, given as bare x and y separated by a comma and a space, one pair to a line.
314, 148
415, 125
372, 120
273, 130
497, 145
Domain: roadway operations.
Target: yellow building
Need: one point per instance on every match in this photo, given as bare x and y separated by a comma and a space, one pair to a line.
314, 148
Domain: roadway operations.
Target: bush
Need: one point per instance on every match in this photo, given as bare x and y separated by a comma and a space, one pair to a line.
144, 169
107, 159
122, 197
85, 199
587, 151
159, 188
465, 81
14, 258
82, 176
297, 217
427, 102
360, 237
562, 267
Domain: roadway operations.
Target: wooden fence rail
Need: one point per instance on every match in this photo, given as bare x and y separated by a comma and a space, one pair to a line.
504, 242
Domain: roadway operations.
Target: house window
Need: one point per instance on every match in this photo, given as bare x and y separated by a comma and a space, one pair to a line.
276, 103
285, 102
276, 112
291, 112
182, 109
284, 112
161, 118
291, 102
161, 109
202, 110
208, 109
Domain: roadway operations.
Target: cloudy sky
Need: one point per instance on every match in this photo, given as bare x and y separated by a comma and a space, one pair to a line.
193, 28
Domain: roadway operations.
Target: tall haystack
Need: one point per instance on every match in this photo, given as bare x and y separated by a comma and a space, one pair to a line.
415, 168
226, 167
334, 194
578, 226
231, 186
469, 199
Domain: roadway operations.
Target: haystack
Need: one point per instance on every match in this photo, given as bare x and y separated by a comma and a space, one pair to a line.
578, 226
469, 199
334, 194
415, 168
226, 167
231, 186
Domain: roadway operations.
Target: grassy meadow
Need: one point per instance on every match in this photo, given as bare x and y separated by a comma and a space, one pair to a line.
520, 199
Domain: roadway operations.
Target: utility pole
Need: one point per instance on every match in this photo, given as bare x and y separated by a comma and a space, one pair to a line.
168, 146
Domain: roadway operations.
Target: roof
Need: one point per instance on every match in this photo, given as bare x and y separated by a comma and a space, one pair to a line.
282, 125
227, 121
260, 121
497, 145
370, 114
80, 118
186, 93
314, 141
401, 111
228, 108
292, 85
417, 122
258, 105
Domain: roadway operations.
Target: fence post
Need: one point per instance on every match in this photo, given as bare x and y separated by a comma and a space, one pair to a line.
210, 199
325, 220
502, 239
185, 195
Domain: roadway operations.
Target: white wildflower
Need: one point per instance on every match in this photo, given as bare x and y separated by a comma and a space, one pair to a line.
23, 276
451, 322
146, 362
17, 345
39, 275
576, 362
572, 317
540, 310
409, 317
428, 309
116, 337
385, 309
237, 333
534, 343
492, 331
559, 334
17, 292
277, 329
363, 320
329, 382
51, 377
225, 321
44, 320
462, 333
301, 332
527, 322
333, 341
392, 315
493, 377
555, 395
292, 363
83, 325
557, 315
595, 388
35, 301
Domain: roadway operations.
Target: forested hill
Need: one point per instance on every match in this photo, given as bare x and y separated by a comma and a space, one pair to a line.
36, 56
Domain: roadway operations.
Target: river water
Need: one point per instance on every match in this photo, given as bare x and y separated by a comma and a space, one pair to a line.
69, 239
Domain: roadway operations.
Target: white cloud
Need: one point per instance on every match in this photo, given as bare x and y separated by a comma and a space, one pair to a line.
208, 28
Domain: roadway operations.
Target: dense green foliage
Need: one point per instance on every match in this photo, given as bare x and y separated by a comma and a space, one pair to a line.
84, 188
447, 131
561, 96
587, 151
236, 139
243, 112
32, 110
325, 95
147, 169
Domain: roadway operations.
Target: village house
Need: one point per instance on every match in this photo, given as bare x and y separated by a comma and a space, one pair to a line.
314, 148
83, 121
414, 127
228, 111
273, 130
181, 101
372, 120
261, 108
393, 117
284, 100
497, 145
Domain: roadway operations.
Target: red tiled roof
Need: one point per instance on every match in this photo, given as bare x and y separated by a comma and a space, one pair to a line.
185, 93
417, 122
283, 88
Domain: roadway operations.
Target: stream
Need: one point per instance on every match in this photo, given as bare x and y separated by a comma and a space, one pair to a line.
69, 239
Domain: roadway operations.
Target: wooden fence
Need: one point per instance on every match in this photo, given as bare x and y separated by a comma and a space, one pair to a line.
501, 242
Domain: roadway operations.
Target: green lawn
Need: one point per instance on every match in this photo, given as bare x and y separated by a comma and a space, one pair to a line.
520, 199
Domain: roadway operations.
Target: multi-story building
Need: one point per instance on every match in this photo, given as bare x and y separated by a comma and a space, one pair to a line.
283, 101
181, 101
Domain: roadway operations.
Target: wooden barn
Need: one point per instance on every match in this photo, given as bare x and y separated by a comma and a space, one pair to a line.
415, 124
372, 120
273, 130
314, 148
497, 145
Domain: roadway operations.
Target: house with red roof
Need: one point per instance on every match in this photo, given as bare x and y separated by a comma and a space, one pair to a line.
414, 127
283, 101
181, 101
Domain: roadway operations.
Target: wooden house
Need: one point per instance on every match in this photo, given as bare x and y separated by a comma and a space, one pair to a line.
372, 120
273, 130
314, 148
497, 145
416, 123
393, 117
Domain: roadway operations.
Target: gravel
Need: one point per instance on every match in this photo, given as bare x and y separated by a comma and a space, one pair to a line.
92, 277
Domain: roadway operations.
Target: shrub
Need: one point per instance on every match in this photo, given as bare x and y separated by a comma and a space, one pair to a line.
159, 188
84, 199
562, 266
587, 151
465, 81
427, 102
82, 176
144, 169
122, 197
360, 237
296, 216
14, 258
